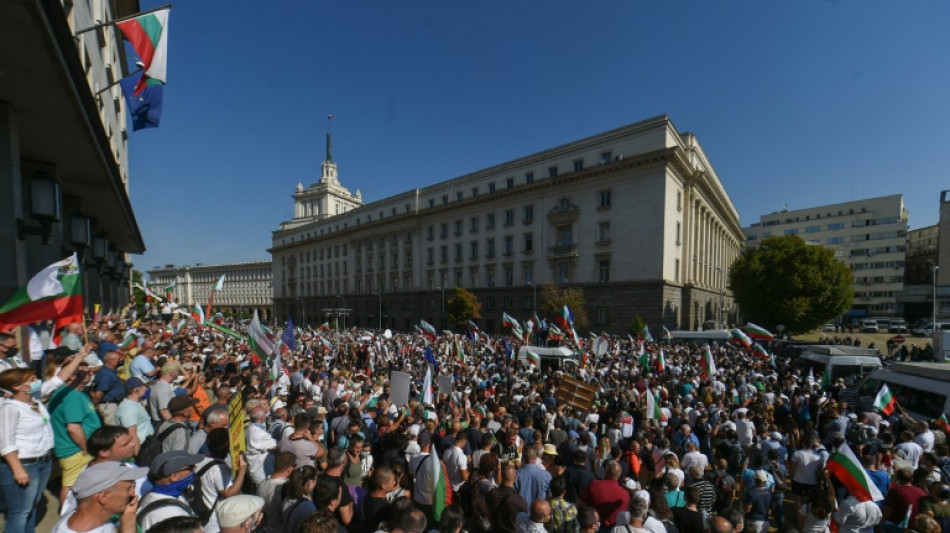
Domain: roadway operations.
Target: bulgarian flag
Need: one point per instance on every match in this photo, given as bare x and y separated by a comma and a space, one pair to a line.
555, 333
441, 489
148, 35
709, 366
325, 326
534, 358
215, 288
565, 318
169, 290
885, 401
473, 331
260, 344
666, 334
653, 407
845, 466
55, 293
758, 332
508, 322
428, 330
428, 397
660, 362
739, 337
537, 322
130, 340
644, 358
198, 314
460, 354
826, 377
759, 350
944, 423
645, 333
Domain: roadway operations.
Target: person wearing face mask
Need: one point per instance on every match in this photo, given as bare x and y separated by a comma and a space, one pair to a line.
74, 418
9, 353
171, 473
26, 442
103, 490
240, 514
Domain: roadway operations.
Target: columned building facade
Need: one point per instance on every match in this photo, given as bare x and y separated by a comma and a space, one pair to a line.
635, 216
247, 286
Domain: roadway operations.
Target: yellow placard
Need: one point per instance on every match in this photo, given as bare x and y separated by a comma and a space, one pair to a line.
236, 426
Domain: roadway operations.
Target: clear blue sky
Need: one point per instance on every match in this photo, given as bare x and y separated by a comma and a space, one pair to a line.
798, 103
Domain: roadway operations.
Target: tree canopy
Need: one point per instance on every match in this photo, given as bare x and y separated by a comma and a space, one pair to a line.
462, 307
555, 298
785, 281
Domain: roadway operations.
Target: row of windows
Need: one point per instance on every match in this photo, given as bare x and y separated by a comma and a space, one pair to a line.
877, 264
879, 279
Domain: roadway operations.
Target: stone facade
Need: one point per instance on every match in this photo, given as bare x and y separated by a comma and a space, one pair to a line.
248, 287
636, 216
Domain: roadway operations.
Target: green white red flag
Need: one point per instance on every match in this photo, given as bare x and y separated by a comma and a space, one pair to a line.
660, 362
845, 466
666, 334
709, 365
55, 293
534, 358
653, 407
944, 423
885, 400
760, 351
441, 489
148, 35
428, 330
555, 333
739, 337
198, 314
645, 333
509, 323
169, 290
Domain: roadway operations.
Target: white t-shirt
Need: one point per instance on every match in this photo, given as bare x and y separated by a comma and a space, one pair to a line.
216, 479
62, 526
455, 463
162, 513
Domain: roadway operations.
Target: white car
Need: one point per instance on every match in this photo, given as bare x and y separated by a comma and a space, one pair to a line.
869, 325
828, 327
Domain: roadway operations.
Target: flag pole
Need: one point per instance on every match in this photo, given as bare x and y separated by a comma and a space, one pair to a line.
122, 19
117, 82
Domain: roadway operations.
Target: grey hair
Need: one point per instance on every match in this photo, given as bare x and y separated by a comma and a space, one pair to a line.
216, 416
638, 508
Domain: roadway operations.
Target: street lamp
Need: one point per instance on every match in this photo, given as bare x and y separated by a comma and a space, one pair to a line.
934, 324
442, 316
343, 310
302, 320
534, 298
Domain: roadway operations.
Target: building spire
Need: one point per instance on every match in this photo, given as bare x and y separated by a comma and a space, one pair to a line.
329, 144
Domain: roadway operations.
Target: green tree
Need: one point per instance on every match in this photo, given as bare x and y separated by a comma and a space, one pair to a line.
554, 298
785, 281
139, 295
637, 326
462, 307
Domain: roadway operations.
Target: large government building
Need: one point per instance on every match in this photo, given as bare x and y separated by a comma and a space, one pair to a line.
635, 216
247, 286
869, 236
64, 169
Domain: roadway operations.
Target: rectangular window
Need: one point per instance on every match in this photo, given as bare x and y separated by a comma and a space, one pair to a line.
473, 278
443, 253
490, 303
509, 276
458, 196
431, 202
490, 221
443, 230
529, 177
445, 199
474, 246
679, 200
527, 272
603, 271
473, 224
509, 245
791, 231
458, 227
605, 158
458, 251
836, 225
578, 165
528, 214
604, 199
509, 217
552, 171
563, 273
491, 187
603, 232
679, 229
812, 229
602, 316
474, 192
490, 276
490, 248
528, 242
507, 303
564, 235
834, 240
676, 270
458, 278
509, 183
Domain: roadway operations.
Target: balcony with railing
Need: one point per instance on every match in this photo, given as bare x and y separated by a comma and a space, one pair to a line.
562, 251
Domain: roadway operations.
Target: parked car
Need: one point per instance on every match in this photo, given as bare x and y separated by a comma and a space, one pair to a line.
928, 329
828, 327
869, 325
897, 325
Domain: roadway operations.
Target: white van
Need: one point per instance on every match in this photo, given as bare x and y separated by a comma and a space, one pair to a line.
869, 325
846, 362
553, 357
718, 336
922, 389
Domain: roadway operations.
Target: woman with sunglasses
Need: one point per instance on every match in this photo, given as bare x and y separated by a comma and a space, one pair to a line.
26, 443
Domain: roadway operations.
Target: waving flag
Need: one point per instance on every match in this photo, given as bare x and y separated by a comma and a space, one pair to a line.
55, 293
645, 333
885, 400
460, 353
441, 488
709, 366
288, 336
428, 397
653, 407
537, 322
509, 323
534, 358
660, 362
428, 330
555, 333
845, 466
214, 288
944, 423
565, 318
737, 336
759, 350
430, 358
260, 344
198, 314
666, 334
758, 332
473, 331
148, 35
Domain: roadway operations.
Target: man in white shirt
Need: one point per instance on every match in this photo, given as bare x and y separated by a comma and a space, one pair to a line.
259, 443
167, 471
693, 458
806, 464
909, 450
853, 516
925, 437
745, 429
456, 463
103, 490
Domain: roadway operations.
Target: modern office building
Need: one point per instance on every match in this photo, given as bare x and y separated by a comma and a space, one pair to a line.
635, 216
247, 288
869, 236
917, 297
63, 145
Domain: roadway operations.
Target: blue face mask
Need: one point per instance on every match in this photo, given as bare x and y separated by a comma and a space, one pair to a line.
176, 488
35, 389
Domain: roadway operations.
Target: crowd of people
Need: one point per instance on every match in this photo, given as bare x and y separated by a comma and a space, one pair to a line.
129, 424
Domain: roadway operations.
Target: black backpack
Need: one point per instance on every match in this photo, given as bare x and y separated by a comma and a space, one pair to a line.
193, 494
152, 447
737, 457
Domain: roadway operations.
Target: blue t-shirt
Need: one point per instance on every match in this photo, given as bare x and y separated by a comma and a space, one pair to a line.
140, 366
106, 347
111, 386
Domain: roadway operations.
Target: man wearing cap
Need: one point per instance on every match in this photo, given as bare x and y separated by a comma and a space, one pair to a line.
240, 514
757, 503
131, 414
73, 418
103, 490
171, 473
107, 389
162, 393
174, 432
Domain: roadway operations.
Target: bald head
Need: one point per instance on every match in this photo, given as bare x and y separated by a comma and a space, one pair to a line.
720, 525
540, 511
508, 475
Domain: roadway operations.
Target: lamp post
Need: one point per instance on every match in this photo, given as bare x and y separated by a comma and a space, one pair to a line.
380, 316
343, 310
933, 325
301, 309
442, 315
534, 296
719, 282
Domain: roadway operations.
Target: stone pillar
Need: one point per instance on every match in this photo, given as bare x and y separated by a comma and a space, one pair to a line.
13, 259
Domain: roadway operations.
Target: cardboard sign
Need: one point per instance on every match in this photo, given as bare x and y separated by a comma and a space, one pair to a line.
236, 426
445, 384
399, 388
575, 393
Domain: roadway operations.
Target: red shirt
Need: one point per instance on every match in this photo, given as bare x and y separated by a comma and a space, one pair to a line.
900, 497
609, 498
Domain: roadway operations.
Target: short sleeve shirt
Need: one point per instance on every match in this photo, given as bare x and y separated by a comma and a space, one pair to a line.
161, 394
129, 414
140, 366
69, 406
109, 383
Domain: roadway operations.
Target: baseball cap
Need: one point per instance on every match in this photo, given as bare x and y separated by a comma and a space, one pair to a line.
776, 435
425, 437
414, 429
234, 511
760, 475
550, 449
573, 434
168, 463
103, 476
180, 403
171, 366
132, 383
